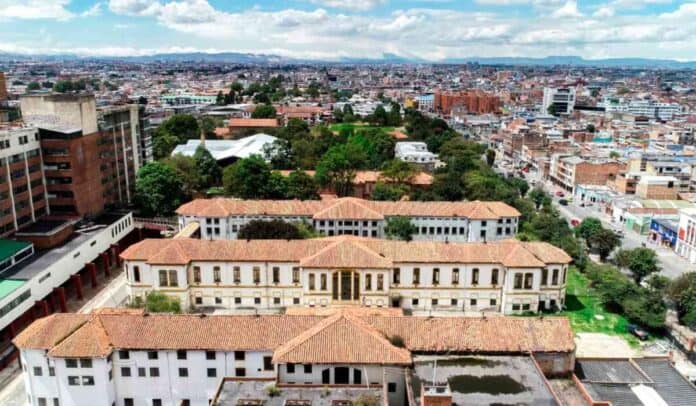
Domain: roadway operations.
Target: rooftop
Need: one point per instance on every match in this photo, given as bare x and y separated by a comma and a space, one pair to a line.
8, 248
8, 286
225, 149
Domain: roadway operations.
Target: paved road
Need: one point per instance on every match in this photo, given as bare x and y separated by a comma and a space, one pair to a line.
113, 294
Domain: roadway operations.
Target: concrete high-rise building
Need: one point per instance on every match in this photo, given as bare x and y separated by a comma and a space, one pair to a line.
91, 155
562, 99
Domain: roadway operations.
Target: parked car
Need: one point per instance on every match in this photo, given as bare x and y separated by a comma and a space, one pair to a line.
563, 202
638, 332
560, 194
574, 222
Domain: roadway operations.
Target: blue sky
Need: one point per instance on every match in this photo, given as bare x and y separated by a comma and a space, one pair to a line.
331, 29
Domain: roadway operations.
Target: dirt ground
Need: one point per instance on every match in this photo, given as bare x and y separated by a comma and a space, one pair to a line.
599, 345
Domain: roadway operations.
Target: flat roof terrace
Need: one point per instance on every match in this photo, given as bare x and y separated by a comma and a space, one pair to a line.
484, 380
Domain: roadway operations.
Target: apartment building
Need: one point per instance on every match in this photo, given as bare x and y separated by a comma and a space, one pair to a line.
686, 238
121, 357
3, 87
23, 196
91, 155
504, 277
416, 152
658, 187
475, 101
568, 171
222, 218
561, 99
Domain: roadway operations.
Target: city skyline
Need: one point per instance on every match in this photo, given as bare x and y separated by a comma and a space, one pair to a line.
428, 30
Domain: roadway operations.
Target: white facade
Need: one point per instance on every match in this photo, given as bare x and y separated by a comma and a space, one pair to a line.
458, 287
562, 98
686, 240
415, 152
647, 108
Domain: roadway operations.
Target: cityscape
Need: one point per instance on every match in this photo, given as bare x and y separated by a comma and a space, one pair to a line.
347, 203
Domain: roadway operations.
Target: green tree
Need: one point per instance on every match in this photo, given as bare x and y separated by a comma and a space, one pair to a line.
384, 191
614, 155
338, 166
379, 117
276, 188
398, 171
33, 86
588, 228
400, 227
157, 302
641, 262
269, 230
247, 178
591, 128
490, 157
264, 111
185, 169
604, 241
176, 130
163, 145
539, 197
220, 99
302, 186
158, 190
208, 169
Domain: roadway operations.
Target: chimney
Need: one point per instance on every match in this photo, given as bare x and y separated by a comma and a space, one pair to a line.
435, 395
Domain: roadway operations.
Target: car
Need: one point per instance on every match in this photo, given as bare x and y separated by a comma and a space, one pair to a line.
638, 332
563, 202
560, 194
574, 222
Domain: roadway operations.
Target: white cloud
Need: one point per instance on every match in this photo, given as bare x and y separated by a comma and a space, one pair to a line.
134, 7
355, 5
568, 10
604, 12
35, 9
93, 11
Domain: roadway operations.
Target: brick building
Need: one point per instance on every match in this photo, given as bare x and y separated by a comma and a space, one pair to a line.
3, 87
91, 156
570, 171
475, 101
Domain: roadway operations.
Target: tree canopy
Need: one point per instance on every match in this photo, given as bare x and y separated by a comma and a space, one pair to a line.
400, 228
176, 130
269, 230
158, 190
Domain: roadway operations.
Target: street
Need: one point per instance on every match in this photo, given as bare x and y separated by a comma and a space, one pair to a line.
12, 392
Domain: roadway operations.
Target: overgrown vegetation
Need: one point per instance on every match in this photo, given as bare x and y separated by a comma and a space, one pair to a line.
157, 302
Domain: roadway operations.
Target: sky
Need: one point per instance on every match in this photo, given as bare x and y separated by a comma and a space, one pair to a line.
433, 30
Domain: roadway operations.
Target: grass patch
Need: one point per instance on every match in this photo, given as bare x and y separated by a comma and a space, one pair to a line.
583, 306
356, 126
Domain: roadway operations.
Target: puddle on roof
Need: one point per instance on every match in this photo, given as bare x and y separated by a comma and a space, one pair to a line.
491, 384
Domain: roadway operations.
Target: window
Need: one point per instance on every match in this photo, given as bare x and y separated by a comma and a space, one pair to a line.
88, 380
198, 300
71, 363
42, 401
142, 372
528, 278
152, 355
290, 368
173, 279
473, 302
38, 371
196, 274
416, 276
453, 302
125, 372
526, 306
216, 274
295, 275
516, 307
544, 276
380, 281
181, 354
123, 354
311, 281
396, 276
276, 275
414, 302
237, 300
554, 277
163, 278
156, 402
136, 273
236, 274
73, 380
563, 279
86, 363
436, 276
322, 281
518, 281
51, 371
493, 302
475, 276
239, 355
267, 365
391, 387
210, 355
154, 372
240, 371
455, 276
257, 300
307, 368
296, 300
212, 372
434, 302
257, 274
494, 276
128, 402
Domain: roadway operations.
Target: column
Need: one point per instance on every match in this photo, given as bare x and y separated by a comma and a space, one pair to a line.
60, 293
92, 270
43, 307
340, 288
352, 286
117, 254
77, 283
106, 262
140, 233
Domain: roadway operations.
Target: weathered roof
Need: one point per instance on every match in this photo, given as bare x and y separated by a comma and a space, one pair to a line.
359, 208
344, 337
346, 251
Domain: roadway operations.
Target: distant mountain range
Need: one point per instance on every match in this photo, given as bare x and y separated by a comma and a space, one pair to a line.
236, 57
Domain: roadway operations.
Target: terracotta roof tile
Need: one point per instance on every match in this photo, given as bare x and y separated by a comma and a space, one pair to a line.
346, 254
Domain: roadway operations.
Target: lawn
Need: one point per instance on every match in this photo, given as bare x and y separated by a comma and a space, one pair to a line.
587, 313
340, 126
